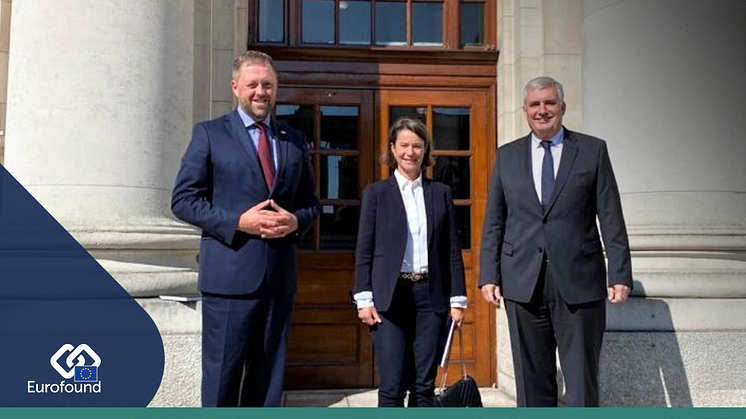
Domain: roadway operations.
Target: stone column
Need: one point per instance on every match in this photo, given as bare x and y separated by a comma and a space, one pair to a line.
662, 84
99, 113
4, 44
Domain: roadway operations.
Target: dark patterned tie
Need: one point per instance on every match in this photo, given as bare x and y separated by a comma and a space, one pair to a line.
547, 175
265, 156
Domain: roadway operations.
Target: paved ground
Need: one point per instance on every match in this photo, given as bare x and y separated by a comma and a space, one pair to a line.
491, 397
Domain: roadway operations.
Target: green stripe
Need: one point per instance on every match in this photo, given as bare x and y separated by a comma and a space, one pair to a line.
373, 413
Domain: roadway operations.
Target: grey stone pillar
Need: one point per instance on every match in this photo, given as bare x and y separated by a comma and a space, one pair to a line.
662, 83
99, 114
5, 7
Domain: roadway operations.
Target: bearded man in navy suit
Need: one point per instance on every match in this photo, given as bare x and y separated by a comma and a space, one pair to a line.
542, 252
248, 184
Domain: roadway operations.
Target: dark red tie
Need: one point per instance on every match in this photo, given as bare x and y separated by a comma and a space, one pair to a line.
265, 156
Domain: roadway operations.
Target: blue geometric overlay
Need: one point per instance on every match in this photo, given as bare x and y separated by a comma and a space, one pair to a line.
61, 312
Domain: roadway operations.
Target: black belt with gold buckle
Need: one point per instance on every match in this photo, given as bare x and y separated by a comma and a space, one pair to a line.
413, 277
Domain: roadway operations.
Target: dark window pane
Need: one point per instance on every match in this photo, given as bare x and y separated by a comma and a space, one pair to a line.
299, 117
463, 225
354, 22
451, 128
472, 24
272, 21
391, 23
412, 112
427, 24
339, 227
318, 22
338, 176
306, 242
339, 127
454, 172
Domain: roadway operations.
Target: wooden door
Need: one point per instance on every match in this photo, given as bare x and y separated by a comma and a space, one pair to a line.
346, 131
458, 123
329, 348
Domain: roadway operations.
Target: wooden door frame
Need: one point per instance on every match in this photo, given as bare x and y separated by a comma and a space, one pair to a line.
474, 74
326, 276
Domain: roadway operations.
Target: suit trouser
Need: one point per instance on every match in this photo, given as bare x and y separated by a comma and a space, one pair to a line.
543, 325
244, 343
408, 344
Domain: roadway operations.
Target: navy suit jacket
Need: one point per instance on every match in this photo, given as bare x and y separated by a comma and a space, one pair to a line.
382, 241
517, 232
220, 178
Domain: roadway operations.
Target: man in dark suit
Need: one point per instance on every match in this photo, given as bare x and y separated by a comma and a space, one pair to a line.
248, 184
542, 253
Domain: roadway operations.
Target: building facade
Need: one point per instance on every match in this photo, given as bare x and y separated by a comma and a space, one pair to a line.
101, 97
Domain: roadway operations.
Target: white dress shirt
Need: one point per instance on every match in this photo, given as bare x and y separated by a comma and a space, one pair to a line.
415, 254
537, 157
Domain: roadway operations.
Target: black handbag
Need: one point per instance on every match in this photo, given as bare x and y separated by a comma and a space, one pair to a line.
462, 393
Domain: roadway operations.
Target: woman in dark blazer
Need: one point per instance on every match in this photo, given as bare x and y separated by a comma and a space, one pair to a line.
409, 274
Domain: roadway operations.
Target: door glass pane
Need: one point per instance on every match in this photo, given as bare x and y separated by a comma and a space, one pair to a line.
339, 227
472, 24
427, 24
412, 112
272, 21
299, 117
451, 128
463, 225
454, 172
339, 127
307, 241
338, 177
391, 23
354, 22
318, 22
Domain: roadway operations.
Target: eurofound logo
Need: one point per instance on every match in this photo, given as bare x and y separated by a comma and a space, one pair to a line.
82, 367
